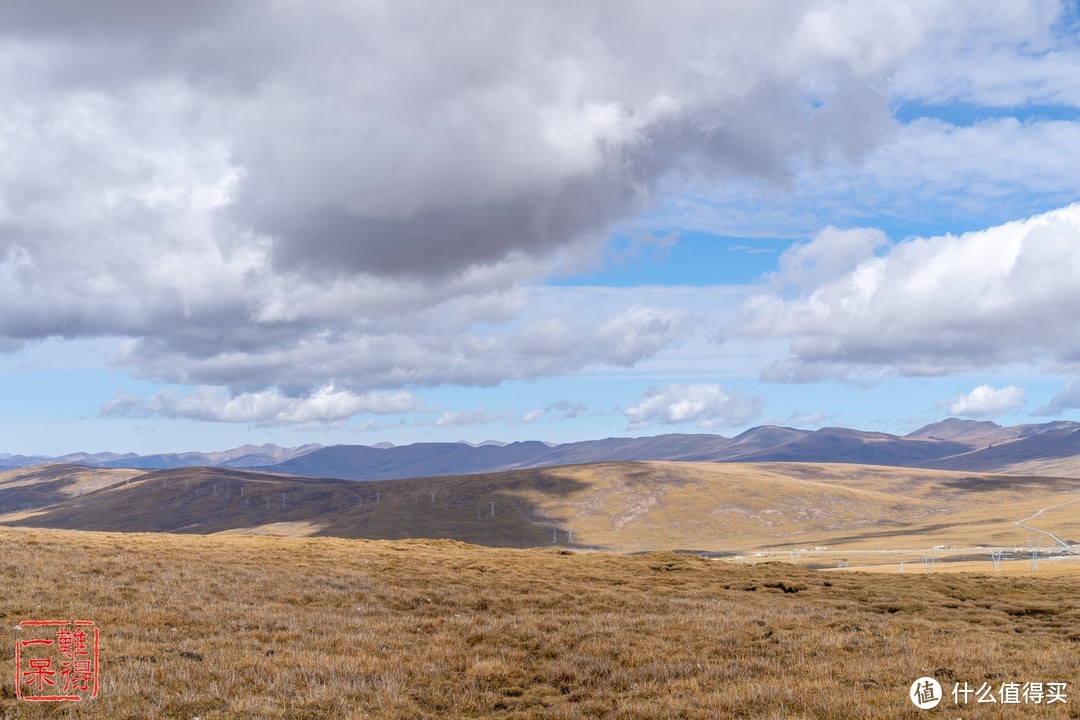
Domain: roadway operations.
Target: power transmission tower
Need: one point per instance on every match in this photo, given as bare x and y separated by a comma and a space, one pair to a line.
928, 561
996, 555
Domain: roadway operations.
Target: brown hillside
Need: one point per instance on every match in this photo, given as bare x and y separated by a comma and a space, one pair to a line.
42, 485
724, 507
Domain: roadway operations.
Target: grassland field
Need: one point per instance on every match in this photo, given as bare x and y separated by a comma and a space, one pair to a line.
271, 627
231, 594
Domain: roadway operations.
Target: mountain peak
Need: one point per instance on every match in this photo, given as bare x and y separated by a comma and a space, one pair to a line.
971, 432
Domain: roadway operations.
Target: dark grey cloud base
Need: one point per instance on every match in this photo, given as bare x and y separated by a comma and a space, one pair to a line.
353, 195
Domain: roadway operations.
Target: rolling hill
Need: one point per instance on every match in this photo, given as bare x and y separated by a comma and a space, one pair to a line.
627, 506
39, 486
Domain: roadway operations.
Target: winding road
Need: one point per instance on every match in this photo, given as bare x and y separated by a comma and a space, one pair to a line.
1059, 541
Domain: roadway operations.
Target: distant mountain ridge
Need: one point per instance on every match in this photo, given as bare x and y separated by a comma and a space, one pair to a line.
951, 444
240, 457
984, 432
760, 444
1051, 448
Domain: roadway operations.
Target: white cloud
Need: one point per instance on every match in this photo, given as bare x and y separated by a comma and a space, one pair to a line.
464, 341
639, 332
327, 405
993, 167
561, 410
1067, 399
705, 405
932, 172
830, 253
988, 402
1009, 54
533, 415
479, 416
273, 196
241, 190
937, 305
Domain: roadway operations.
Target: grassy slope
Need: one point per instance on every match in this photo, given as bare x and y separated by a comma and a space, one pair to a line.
43, 485
240, 627
1065, 467
621, 506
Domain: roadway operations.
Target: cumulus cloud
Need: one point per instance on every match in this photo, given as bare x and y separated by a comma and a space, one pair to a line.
932, 306
705, 405
450, 344
289, 196
269, 407
238, 188
987, 402
639, 332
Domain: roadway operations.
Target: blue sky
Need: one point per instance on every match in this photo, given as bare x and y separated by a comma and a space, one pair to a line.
522, 221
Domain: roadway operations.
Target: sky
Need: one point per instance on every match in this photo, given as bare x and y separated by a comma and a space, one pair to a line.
363, 222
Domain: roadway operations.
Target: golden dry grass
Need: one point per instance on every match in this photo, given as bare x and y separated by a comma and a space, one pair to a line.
258, 627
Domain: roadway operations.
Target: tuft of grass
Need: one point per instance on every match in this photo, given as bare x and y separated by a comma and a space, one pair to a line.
245, 626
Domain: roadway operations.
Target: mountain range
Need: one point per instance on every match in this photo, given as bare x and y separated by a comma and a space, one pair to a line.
1039, 449
1050, 448
241, 457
